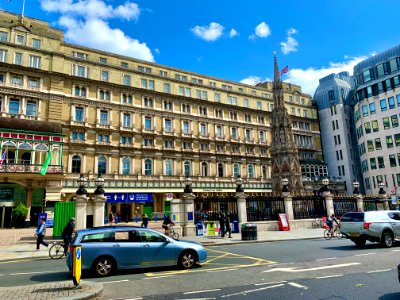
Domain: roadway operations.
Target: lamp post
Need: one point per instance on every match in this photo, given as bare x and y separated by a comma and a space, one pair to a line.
99, 201
99, 185
325, 182
284, 183
82, 181
326, 193
188, 185
239, 183
356, 186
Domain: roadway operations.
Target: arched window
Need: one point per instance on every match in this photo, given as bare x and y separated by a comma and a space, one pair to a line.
168, 167
24, 154
148, 167
204, 169
76, 164
236, 170
250, 171
126, 166
186, 168
101, 165
220, 169
10, 152
40, 154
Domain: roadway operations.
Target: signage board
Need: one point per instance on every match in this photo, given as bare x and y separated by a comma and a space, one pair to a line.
283, 223
128, 197
6, 194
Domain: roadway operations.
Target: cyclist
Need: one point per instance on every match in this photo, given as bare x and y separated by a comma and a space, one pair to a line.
330, 220
167, 225
67, 233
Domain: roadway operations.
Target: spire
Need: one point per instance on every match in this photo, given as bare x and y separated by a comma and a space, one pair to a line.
276, 70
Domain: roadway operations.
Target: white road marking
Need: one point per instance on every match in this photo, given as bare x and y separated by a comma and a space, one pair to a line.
396, 250
205, 291
298, 285
222, 270
265, 283
364, 254
29, 273
378, 271
197, 299
293, 270
124, 280
251, 291
328, 258
159, 277
329, 276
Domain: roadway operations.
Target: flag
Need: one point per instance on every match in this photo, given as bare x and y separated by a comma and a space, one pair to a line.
3, 157
285, 70
46, 163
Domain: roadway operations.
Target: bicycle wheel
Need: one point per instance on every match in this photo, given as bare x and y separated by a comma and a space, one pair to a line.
56, 251
175, 235
327, 234
338, 233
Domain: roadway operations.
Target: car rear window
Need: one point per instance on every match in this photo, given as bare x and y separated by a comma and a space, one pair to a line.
353, 217
98, 237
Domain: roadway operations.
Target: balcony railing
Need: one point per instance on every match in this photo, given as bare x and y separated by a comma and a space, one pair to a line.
29, 168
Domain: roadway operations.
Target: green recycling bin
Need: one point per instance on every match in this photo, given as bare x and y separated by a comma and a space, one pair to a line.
244, 232
249, 232
211, 228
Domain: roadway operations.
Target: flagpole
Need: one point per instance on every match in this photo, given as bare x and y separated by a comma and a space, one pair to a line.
23, 8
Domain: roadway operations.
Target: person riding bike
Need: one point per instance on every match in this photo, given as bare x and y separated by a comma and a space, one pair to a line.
167, 225
67, 233
330, 220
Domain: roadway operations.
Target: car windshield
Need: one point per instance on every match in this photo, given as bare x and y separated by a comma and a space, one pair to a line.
353, 217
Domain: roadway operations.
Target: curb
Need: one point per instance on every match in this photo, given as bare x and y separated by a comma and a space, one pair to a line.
213, 244
95, 289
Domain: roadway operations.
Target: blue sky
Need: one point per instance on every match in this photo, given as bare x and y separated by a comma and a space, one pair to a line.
229, 39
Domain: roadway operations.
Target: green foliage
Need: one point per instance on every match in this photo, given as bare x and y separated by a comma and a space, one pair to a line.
19, 213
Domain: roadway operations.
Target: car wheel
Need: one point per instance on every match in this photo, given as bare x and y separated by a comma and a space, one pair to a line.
103, 266
187, 260
360, 242
387, 239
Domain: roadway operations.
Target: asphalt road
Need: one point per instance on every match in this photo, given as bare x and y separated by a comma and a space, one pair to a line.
302, 269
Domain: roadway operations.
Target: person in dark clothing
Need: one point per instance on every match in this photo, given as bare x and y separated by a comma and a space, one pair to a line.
228, 228
145, 221
67, 233
221, 220
167, 224
110, 218
40, 233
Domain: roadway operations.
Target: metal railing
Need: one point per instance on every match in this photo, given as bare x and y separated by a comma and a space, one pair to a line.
342, 206
208, 209
262, 208
308, 207
29, 168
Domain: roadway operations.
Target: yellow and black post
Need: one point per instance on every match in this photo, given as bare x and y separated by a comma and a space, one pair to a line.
76, 264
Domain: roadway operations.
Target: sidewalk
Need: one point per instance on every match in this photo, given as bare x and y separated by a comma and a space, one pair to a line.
17, 244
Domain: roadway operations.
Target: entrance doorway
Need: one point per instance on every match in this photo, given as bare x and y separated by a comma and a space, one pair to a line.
126, 212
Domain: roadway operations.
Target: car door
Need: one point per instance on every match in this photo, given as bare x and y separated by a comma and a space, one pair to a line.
127, 248
157, 250
394, 218
95, 244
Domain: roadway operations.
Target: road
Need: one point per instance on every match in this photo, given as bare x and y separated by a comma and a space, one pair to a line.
302, 269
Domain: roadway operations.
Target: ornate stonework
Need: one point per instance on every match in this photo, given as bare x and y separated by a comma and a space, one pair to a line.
284, 154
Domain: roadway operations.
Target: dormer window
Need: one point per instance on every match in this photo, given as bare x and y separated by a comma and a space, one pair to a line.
20, 39
80, 55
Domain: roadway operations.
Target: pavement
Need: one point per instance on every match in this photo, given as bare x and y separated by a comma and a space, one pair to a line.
20, 244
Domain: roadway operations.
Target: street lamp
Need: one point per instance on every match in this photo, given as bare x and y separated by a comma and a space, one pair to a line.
188, 187
82, 181
99, 183
239, 182
325, 182
356, 186
381, 185
285, 183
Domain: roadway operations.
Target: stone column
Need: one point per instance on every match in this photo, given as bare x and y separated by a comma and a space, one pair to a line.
98, 210
287, 198
189, 229
328, 202
360, 202
80, 211
177, 211
28, 205
241, 203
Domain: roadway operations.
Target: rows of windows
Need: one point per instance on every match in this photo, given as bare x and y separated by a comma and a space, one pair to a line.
17, 106
395, 180
379, 162
391, 141
373, 126
126, 165
378, 71
377, 88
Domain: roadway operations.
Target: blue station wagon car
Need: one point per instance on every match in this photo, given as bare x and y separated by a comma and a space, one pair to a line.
110, 248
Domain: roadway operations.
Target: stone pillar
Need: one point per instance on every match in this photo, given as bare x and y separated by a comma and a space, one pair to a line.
287, 198
80, 211
177, 213
189, 228
360, 202
28, 205
98, 210
383, 199
241, 203
328, 202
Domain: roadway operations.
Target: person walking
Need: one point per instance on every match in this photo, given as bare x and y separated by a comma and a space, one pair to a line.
228, 228
40, 233
110, 218
145, 221
67, 233
221, 220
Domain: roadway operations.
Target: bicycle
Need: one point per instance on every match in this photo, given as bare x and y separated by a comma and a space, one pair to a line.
173, 234
56, 251
328, 233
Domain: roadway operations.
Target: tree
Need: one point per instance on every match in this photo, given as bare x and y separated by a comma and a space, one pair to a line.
19, 214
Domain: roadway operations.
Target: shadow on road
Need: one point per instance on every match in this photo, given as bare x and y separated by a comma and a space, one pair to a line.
392, 296
352, 247
52, 277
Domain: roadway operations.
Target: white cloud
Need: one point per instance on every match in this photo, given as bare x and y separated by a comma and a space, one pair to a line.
233, 33
291, 44
209, 33
262, 30
251, 80
85, 19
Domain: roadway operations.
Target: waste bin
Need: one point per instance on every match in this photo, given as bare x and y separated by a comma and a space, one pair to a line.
199, 229
249, 232
235, 226
211, 228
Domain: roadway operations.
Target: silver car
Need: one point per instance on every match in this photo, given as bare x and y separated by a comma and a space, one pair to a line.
381, 226
106, 249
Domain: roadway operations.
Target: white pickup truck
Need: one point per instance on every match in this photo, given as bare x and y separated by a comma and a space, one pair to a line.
381, 226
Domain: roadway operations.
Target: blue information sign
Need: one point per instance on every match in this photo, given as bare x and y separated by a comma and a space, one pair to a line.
128, 197
190, 216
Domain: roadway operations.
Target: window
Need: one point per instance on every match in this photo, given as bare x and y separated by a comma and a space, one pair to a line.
378, 144
168, 125
80, 71
101, 165
203, 129
168, 167
126, 166
124, 65
248, 134
80, 91
370, 145
78, 136
3, 36
375, 126
217, 97
144, 69
168, 143
103, 117
259, 105
381, 163
204, 169
14, 106
126, 80
127, 98
386, 123
250, 171
218, 113
218, 131
236, 170
148, 102
234, 134
364, 110
186, 127
79, 114
181, 77
203, 110
220, 170
103, 60
163, 73
247, 118
372, 109
33, 83
147, 123
372, 162
104, 95
104, 75
20, 39
126, 120
31, 108
331, 95
367, 75
367, 127
383, 104
148, 167
233, 115
126, 140
103, 138
76, 164
389, 141
391, 102
167, 88
147, 84
186, 108
395, 121
148, 142
397, 139
3, 55
246, 102
392, 160
186, 168
18, 58
261, 136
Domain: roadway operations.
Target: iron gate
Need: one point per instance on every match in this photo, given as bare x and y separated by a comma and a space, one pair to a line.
307, 207
344, 205
263, 208
208, 209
